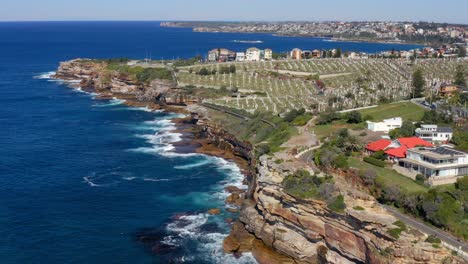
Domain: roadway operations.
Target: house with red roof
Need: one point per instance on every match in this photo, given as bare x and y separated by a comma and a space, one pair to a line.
378, 145
396, 149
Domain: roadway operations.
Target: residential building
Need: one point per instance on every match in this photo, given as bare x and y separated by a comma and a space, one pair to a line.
316, 53
296, 54
386, 125
252, 54
240, 56
396, 149
268, 54
439, 165
307, 54
447, 90
213, 55
434, 133
221, 55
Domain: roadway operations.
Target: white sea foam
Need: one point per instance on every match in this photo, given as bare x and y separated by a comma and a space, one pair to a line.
209, 244
112, 102
45, 75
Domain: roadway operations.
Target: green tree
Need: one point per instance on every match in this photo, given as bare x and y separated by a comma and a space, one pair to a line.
460, 137
338, 53
354, 117
418, 83
407, 129
461, 52
395, 133
459, 78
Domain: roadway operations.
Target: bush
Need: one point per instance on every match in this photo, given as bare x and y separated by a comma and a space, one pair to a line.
358, 208
379, 155
301, 120
433, 239
354, 117
301, 184
369, 176
341, 162
401, 225
375, 162
394, 232
328, 117
420, 178
338, 204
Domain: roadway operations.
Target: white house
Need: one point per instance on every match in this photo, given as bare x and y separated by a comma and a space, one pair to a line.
268, 54
434, 133
386, 125
252, 54
439, 165
240, 56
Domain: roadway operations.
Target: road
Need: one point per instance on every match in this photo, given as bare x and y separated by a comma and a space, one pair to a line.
444, 236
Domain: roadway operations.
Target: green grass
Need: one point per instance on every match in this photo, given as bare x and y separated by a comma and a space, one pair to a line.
405, 110
388, 177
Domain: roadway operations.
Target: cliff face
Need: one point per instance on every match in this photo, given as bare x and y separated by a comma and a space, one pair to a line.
309, 232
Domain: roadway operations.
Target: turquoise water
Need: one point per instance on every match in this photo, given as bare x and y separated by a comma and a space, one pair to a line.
94, 181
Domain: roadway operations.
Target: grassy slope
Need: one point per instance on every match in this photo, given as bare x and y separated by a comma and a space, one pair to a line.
388, 177
405, 110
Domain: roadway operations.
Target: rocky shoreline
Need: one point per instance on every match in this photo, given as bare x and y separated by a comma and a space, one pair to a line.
274, 226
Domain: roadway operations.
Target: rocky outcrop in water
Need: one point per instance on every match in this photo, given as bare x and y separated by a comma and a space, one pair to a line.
94, 76
309, 232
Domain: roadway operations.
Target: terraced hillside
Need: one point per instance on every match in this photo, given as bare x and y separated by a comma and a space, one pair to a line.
278, 86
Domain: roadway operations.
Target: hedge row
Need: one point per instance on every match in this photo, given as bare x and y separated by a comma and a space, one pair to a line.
376, 162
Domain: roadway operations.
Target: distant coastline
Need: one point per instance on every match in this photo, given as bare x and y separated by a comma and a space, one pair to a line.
246, 28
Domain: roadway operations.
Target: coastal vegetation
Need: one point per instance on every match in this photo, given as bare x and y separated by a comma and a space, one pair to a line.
139, 73
301, 184
444, 207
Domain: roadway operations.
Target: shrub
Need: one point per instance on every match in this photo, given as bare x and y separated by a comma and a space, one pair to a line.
420, 178
394, 232
401, 225
433, 239
358, 208
376, 162
369, 176
338, 204
301, 120
328, 117
379, 155
354, 117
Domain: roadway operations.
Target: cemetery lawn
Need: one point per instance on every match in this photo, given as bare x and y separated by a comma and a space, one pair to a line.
406, 110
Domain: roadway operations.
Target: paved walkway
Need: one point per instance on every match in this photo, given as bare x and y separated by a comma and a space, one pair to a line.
444, 236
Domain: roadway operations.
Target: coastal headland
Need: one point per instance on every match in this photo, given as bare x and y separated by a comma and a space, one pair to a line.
273, 224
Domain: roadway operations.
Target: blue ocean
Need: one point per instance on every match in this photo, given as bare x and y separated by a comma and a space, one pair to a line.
94, 181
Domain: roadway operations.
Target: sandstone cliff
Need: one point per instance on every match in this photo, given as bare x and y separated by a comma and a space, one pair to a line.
309, 232
94, 76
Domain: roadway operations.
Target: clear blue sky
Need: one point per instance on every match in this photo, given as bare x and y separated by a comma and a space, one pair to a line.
412, 10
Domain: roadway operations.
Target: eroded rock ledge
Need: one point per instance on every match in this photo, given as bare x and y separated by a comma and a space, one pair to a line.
308, 232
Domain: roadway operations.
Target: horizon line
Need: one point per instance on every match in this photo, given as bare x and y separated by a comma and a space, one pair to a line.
231, 21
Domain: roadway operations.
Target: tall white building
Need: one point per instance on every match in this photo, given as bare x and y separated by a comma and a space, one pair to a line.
252, 54
268, 54
386, 125
240, 56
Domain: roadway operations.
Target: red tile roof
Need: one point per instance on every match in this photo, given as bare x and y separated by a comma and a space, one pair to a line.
378, 145
397, 152
411, 142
